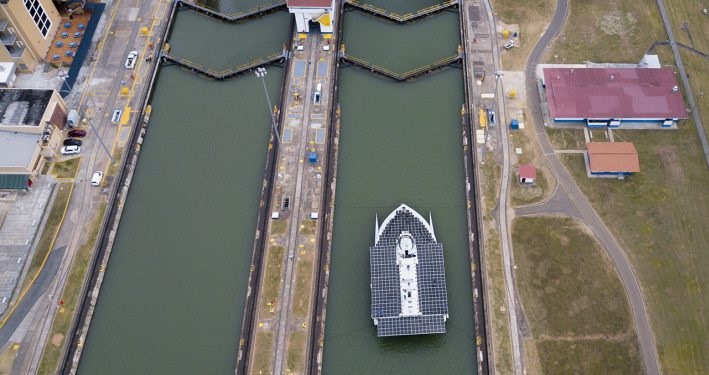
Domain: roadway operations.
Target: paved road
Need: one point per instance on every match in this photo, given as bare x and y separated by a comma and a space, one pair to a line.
580, 207
685, 80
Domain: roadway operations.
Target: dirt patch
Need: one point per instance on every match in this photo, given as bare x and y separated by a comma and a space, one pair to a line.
617, 23
57, 339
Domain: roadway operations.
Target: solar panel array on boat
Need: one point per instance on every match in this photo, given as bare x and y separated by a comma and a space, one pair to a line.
386, 301
411, 325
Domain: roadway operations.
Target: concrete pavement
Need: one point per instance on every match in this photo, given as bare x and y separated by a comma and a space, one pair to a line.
580, 205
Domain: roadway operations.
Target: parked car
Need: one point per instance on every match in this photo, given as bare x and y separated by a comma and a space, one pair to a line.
72, 142
509, 44
491, 117
70, 150
131, 59
97, 178
77, 133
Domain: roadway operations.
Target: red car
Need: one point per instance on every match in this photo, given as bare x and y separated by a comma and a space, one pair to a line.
77, 133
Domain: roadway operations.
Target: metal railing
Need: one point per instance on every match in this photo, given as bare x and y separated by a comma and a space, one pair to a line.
406, 76
233, 17
401, 18
227, 73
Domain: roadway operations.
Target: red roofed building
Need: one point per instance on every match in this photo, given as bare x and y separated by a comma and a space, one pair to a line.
527, 174
612, 158
307, 11
611, 96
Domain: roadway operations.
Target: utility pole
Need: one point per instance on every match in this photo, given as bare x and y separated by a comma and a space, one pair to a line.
261, 73
82, 114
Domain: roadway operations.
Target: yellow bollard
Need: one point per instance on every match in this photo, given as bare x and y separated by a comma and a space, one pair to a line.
144, 31
513, 93
124, 91
505, 33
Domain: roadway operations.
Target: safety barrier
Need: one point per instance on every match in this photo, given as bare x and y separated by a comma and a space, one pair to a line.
223, 74
233, 17
401, 18
406, 76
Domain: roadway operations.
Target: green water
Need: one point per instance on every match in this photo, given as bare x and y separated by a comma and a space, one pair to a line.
219, 45
173, 298
401, 47
400, 143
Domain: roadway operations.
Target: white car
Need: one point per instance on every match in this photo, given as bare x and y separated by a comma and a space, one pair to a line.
509, 44
131, 59
70, 150
97, 178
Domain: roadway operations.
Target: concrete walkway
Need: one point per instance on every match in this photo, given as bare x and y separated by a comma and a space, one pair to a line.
569, 200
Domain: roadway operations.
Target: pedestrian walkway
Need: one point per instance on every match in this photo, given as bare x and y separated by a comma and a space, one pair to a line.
25, 211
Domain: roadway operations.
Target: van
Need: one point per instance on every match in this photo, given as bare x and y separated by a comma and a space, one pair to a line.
72, 118
97, 178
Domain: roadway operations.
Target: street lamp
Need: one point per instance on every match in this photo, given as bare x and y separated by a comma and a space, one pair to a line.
261, 73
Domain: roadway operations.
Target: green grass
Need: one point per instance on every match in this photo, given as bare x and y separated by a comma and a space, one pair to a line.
499, 320
660, 217
46, 239
113, 167
67, 169
519, 194
589, 357
572, 298
607, 31
263, 352
70, 296
567, 139
278, 226
303, 285
490, 173
308, 226
272, 279
295, 360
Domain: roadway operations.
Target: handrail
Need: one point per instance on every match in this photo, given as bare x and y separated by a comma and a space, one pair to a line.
226, 73
411, 74
401, 18
233, 17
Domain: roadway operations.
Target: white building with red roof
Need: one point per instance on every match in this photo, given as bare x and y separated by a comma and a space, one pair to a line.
318, 11
613, 96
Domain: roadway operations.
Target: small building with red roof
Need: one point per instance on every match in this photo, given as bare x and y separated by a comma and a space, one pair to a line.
614, 96
527, 174
313, 11
612, 159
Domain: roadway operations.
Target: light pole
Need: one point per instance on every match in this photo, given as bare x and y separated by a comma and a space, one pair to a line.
261, 73
82, 113
701, 93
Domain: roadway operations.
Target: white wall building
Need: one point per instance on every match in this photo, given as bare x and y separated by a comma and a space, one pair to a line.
306, 11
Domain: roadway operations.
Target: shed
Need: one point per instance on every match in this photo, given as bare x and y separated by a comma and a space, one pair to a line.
527, 174
612, 158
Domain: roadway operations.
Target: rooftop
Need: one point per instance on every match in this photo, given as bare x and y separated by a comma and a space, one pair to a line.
23, 106
613, 93
17, 149
612, 157
527, 171
310, 3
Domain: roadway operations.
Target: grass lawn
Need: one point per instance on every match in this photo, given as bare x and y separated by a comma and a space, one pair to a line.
70, 296
522, 195
7, 358
496, 300
272, 279
303, 284
661, 217
263, 352
532, 16
295, 360
573, 299
67, 169
567, 139
51, 228
607, 31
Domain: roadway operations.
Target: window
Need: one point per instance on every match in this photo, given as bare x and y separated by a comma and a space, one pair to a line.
39, 16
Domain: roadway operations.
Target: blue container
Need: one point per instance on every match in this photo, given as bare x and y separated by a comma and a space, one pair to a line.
514, 124
313, 157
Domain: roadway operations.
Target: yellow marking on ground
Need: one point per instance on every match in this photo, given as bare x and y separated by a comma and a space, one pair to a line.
302, 36
302, 252
312, 240
327, 36
260, 324
121, 33
44, 261
125, 117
